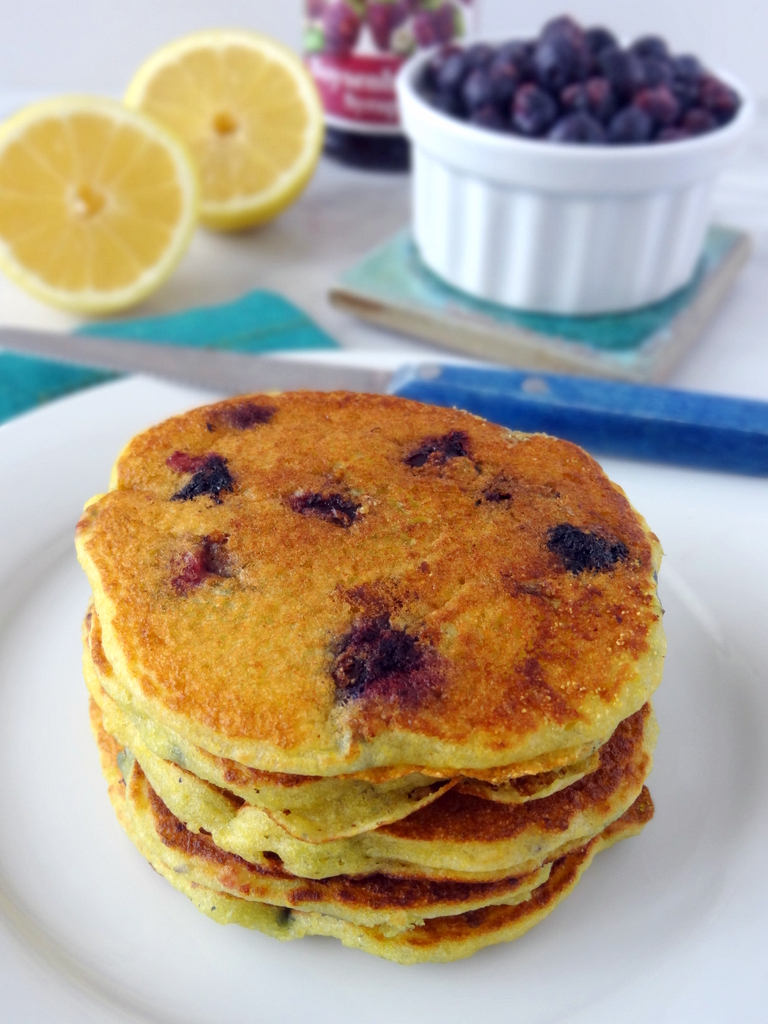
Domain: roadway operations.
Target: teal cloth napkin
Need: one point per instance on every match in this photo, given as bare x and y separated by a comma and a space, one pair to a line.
257, 322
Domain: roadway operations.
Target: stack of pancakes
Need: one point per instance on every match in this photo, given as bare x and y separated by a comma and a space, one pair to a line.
367, 668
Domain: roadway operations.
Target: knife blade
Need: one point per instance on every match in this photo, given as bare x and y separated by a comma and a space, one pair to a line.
605, 417
214, 369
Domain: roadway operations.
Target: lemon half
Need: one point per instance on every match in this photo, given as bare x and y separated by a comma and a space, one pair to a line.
249, 114
97, 203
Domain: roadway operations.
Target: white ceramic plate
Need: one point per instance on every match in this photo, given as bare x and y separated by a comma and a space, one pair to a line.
672, 926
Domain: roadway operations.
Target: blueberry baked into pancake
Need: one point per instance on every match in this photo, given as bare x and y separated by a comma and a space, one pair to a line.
368, 668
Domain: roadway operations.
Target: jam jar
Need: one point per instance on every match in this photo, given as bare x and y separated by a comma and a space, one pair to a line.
354, 49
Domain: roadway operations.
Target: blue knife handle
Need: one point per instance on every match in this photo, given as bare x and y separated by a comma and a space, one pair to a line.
633, 421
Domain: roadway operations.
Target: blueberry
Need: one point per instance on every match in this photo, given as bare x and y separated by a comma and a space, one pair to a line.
659, 104
630, 125
489, 117
242, 416
657, 71
718, 98
478, 90
574, 97
599, 39
558, 60
433, 66
506, 77
211, 478
650, 46
686, 67
496, 494
563, 27
595, 97
480, 55
624, 70
580, 551
534, 111
573, 85
686, 75
371, 651
448, 103
602, 99
450, 75
520, 53
698, 121
437, 450
183, 462
215, 556
331, 508
578, 127
209, 557
686, 93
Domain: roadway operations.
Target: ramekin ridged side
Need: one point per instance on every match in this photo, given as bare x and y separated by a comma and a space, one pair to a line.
558, 228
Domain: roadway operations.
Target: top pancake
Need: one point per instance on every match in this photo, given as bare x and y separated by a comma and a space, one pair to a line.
327, 583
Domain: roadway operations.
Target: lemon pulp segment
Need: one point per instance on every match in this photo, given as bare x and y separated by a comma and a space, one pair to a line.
247, 110
97, 203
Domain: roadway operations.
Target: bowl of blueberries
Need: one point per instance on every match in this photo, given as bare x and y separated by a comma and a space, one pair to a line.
570, 173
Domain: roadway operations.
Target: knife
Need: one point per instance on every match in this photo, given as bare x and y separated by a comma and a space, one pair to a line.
626, 420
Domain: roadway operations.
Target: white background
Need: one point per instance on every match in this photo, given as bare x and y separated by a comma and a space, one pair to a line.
64, 45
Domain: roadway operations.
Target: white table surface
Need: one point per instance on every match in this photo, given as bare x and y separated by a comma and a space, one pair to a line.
344, 213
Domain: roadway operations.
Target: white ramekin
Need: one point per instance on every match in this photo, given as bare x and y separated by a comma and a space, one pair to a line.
553, 227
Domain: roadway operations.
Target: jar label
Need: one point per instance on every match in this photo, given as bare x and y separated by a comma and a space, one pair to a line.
354, 49
360, 90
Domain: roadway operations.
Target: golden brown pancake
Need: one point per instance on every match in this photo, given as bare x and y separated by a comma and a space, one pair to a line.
209, 809
324, 584
491, 831
386, 901
391, 903
182, 858
545, 764
456, 836
439, 940
456, 833
313, 809
530, 787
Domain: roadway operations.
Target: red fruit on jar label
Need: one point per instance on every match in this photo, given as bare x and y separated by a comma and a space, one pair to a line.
354, 49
